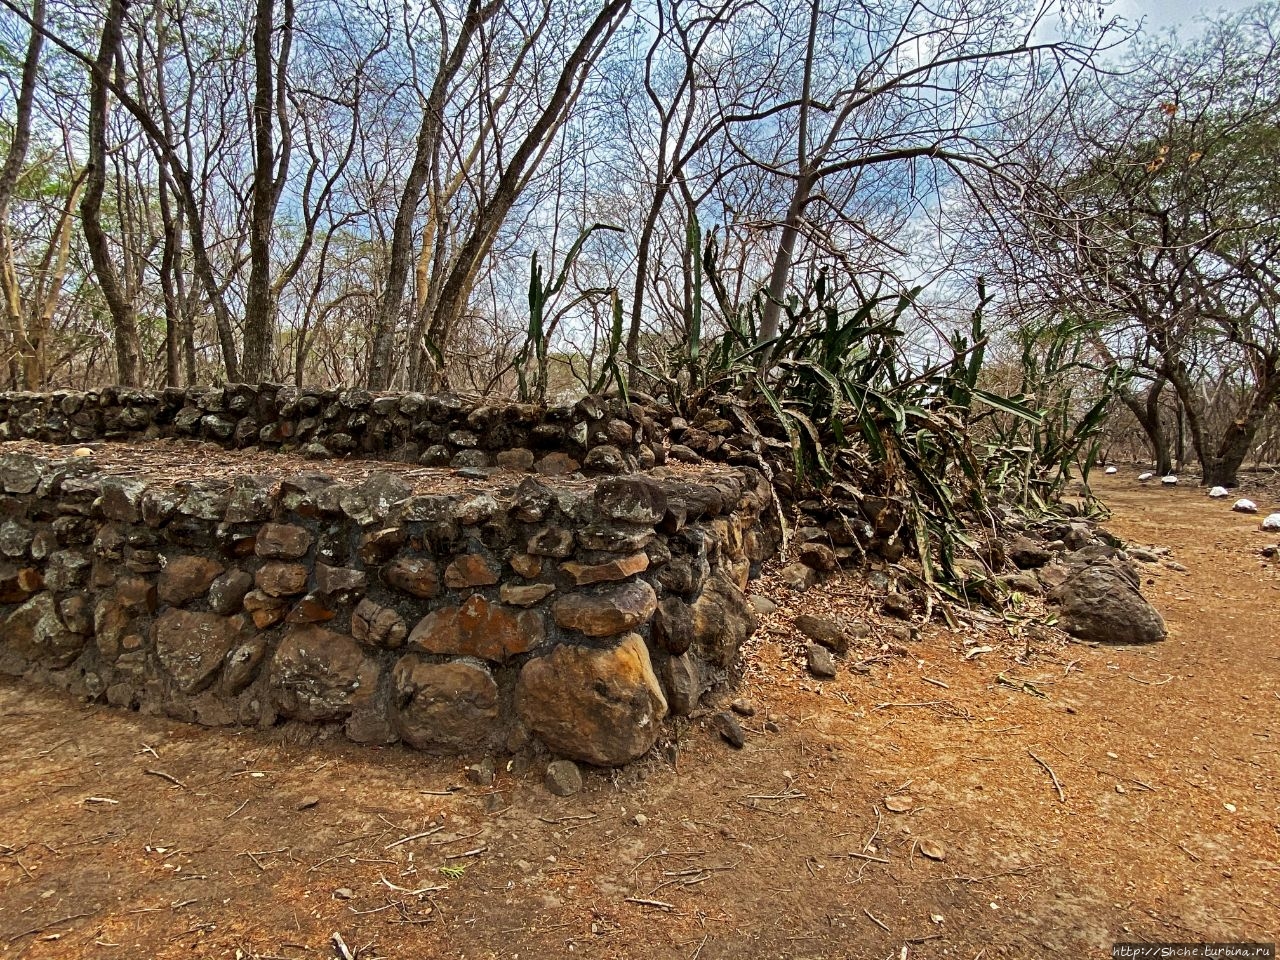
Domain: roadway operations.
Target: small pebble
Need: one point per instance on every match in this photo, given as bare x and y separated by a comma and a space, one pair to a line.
563, 778
821, 664
482, 772
743, 708
306, 803
730, 730
344, 893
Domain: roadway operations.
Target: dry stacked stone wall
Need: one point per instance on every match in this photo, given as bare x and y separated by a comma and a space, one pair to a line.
603, 436
573, 612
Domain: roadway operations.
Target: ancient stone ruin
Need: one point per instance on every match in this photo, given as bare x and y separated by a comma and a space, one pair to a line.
515, 573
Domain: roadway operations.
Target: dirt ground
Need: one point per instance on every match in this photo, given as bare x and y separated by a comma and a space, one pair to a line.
124, 836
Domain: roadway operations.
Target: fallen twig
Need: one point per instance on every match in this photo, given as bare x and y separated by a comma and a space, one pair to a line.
340, 945
243, 804
876, 920
421, 891
165, 776
1026, 686
660, 904
1062, 797
415, 836
46, 926
863, 856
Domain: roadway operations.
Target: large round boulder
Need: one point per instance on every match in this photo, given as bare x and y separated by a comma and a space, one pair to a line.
443, 706
603, 707
1101, 602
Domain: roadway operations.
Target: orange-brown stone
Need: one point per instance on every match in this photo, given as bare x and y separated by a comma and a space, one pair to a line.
620, 569
470, 570
479, 628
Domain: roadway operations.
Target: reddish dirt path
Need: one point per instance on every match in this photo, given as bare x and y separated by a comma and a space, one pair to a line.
784, 849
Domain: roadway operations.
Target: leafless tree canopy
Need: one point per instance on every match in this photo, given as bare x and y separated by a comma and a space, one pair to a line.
316, 192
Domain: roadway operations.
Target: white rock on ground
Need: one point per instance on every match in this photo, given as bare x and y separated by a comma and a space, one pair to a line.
1111, 470
1144, 477
1218, 493
1244, 506
1169, 481
1272, 523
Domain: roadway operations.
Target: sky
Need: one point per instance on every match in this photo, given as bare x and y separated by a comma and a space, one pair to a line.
1160, 14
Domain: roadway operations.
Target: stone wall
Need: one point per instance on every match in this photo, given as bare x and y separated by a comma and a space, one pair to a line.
578, 613
604, 436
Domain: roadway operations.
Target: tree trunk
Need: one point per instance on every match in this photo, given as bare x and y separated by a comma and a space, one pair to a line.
1147, 412
456, 290
1223, 466
123, 320
387, 313
14, 160
268, 177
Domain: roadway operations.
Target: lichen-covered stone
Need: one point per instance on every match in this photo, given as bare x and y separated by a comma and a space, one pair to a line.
444, 706
317, 675
185, 578
550, 541
67, 570
534, 501
603, 707
242, 665
376, 499
76, 613
479, 628
605, 458
35, 634
249, 500
608, 612
15, 539
227, 592
638, 500
283, 541
191, 646
122, 499
615, 538
19, 473
205, 501
477, 510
